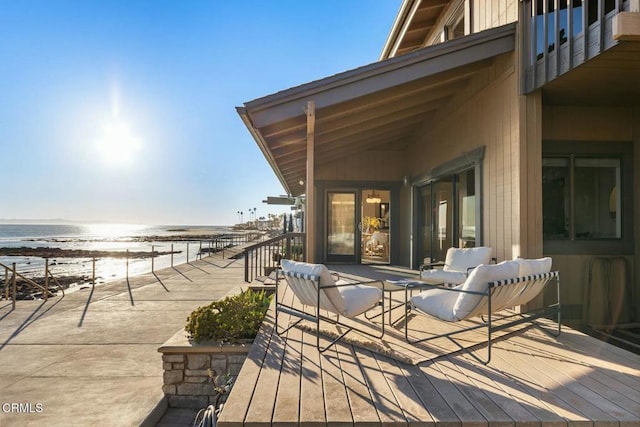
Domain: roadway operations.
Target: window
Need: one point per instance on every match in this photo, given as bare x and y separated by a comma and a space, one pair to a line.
455, 25
582, 200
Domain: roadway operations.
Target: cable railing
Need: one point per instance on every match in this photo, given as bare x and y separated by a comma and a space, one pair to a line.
261, 259
29, 283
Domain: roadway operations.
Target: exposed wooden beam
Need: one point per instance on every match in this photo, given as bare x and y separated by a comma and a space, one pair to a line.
362, 123
425, 89
310, 211
346, 136
405, 26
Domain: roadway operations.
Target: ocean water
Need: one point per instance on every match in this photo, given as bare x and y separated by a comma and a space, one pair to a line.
104, 237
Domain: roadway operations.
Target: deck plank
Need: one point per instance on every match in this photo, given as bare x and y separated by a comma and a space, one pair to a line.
505, 393
574, 375
519, 365
286, 410
406, 396
335, 392
623, 365
463, 409
312, 407
384, 399
260, 410
477, 396
360, 400
241, 394
433, 402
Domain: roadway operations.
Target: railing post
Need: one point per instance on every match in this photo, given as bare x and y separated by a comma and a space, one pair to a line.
246, 266
13, 286
93, 274
187, 252
172, 255
152, 259
6, 283
46, 279
127, 264
288, 247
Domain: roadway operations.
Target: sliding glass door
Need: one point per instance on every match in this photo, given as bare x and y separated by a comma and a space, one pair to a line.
447, 215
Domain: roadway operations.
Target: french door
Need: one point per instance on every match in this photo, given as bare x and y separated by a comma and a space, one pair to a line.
342, 231
358, 226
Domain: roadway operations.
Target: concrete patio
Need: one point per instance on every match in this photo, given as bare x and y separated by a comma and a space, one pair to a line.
91, 357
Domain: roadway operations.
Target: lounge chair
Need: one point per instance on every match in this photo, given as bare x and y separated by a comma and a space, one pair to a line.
317, 290
456, 267
488, 290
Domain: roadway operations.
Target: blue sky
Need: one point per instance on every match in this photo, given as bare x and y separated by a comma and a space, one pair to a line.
79, 77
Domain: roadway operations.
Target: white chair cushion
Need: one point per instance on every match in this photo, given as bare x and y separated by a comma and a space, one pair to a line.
310, 296
358, 298
478, 281
533, 266
462, 259
437, 276
437, 302
529, 267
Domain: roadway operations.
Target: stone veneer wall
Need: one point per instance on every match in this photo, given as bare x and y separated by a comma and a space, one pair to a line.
186, 365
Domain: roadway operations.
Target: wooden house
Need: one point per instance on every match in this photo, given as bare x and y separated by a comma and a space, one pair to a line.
502, 123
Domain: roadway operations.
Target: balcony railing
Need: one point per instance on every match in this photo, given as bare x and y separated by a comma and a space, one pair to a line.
564, 34
264, 257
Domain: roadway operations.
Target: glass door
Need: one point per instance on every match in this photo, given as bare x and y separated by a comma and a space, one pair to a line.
448, 215
443, 218
425, 225
341, 226
375, 226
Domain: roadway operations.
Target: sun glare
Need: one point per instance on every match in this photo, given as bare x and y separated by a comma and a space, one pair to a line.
113, 231
117, 146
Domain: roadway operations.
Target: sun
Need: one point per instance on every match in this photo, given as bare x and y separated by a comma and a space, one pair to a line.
117, 145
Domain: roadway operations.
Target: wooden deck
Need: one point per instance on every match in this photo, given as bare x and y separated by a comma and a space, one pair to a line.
532, 380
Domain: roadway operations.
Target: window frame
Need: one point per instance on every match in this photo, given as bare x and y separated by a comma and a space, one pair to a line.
457, 16
470, 161
620, 150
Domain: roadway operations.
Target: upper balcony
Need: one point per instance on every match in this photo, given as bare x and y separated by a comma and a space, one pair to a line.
564, 34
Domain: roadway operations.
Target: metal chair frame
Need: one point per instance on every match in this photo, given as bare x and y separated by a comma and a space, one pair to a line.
316, 316
488, 319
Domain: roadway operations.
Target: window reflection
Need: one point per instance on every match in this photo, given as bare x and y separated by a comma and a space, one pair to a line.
581, 198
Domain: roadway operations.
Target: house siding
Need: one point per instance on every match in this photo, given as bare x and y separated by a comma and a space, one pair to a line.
574, 123
374, 165
492, 13
488, 108
483, 14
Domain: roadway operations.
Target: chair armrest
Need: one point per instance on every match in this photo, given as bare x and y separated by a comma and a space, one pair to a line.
430, 265
375, 283
494, 260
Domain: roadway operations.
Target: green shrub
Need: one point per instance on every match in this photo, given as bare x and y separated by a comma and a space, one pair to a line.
229, 319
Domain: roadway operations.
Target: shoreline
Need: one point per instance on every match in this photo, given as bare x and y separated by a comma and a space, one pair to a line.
128, 256
47, 252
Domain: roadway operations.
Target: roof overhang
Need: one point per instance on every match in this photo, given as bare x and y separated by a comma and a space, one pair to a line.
414, 22
377, 106
609, 79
